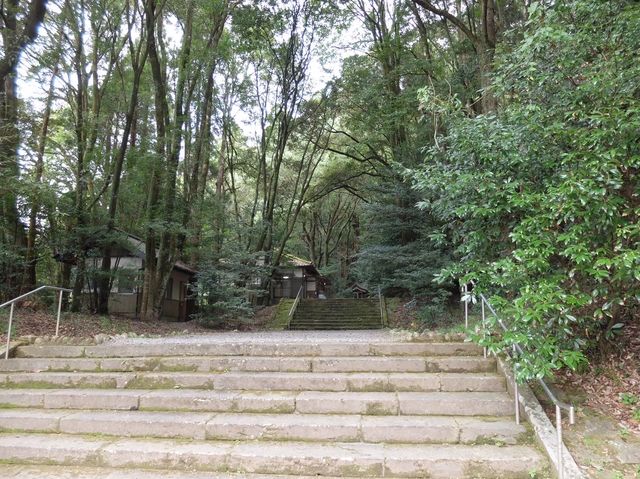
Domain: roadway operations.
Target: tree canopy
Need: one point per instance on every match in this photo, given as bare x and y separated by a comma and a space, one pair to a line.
454, 140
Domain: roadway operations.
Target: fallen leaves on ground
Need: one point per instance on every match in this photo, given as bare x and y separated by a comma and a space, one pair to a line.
43, 323
608, 379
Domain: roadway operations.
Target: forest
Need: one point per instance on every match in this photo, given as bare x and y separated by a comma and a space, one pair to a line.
402, 144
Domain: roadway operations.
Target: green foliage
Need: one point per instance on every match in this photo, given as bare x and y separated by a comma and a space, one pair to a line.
11, 264
437, 313
629, 399
226, 285
541, 201
397, 252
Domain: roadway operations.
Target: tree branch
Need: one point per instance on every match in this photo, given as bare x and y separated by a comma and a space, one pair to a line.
427, 5
37, 10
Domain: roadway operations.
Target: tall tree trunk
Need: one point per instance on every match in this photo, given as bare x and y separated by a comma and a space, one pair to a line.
197, 181
81, 180
139, 58
168, 150
483, 39
31, 260
18, 27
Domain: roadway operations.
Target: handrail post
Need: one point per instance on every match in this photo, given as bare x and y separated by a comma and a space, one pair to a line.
484, 326
516, 390
12, 303
6, 353
381, 306
517, 350
59, 310
572, 415
466, 305
559, 430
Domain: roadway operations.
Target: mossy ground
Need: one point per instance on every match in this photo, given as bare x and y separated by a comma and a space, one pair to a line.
280, 318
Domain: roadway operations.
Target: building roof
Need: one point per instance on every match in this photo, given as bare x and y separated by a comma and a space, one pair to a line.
138, 248
184, 267
296, 262
358, 288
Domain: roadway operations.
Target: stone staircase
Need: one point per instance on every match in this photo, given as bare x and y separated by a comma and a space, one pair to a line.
317, 314
260, 406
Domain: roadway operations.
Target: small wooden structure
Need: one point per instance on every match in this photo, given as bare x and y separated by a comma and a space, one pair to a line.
360, 291
127, 263
295, 273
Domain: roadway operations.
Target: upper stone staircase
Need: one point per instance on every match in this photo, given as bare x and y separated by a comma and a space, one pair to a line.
260, 406
316, 314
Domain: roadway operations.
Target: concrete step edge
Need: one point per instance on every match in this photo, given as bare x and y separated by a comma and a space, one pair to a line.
272, 427
304, 402
201, 364
330, 378
318, 349
292, 458
75, 472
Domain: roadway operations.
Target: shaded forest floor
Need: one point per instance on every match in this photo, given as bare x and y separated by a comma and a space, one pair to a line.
78, 325
611, 384
605, 440
41, 323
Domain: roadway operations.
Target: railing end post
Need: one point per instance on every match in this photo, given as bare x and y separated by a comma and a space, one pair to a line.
6, 353
465, 293
559, 431
59, 311
572, 415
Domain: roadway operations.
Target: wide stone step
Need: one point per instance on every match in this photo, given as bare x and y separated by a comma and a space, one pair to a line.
321, 327
337, 316
265, 381
350, 318
332, 313
289, 458
328, 315
360, 302
405, 403
252, 363
340, 310
289, 427
283, 349
344, 323
75, 472
305, 402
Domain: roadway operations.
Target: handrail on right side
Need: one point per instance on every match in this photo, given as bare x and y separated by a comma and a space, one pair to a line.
292, 311
13, 302
517, 349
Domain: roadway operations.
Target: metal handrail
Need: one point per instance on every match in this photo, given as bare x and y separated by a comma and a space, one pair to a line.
381, 300
517, 349
13, 301
292, 311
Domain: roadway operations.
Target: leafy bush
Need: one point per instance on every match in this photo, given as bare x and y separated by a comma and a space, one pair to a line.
226, 287
542, 200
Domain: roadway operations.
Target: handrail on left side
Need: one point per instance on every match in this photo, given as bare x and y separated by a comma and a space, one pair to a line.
13, 302
382, 307
292, 311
